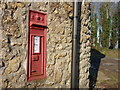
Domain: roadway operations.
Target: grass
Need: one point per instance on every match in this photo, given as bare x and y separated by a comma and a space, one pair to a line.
113, 53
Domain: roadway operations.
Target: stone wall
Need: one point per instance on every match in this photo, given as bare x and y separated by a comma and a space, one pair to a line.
14, 33
85, 46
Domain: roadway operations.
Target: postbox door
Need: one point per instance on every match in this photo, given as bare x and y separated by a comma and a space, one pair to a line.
37, 55
37, 59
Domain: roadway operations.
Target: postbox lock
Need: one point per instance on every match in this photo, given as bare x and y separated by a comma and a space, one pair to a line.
38, 18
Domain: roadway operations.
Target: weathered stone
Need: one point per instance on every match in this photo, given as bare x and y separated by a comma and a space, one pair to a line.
0, 81
13, 65
22, 78
70, 14
51, 60
21, 5
69, 67
85, 47
67, 7
49, 81
68, 83
59, 46
66, 75
85, 84
58, 76
17, 13
69, 39
67, 31
61, 54
1, 64
49, 72
2, 70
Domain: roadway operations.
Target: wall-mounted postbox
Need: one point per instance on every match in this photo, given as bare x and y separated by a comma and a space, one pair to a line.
36, 45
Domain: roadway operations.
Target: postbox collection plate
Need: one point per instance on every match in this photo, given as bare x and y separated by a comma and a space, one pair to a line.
36, 67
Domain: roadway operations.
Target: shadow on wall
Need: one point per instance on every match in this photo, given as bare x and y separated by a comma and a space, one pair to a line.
95, 58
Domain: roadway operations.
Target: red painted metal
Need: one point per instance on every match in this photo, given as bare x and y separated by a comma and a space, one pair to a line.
36, 67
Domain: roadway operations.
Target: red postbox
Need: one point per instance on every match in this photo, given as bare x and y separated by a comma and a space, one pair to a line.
36, 45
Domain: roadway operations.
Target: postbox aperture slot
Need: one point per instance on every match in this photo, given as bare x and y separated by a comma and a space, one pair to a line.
35, 25
38, 26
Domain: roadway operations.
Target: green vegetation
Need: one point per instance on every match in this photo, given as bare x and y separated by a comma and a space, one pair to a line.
105, 23
109, 35
94, 29
113, 53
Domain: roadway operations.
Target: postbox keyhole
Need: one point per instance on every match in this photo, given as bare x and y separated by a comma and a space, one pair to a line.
38, 18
